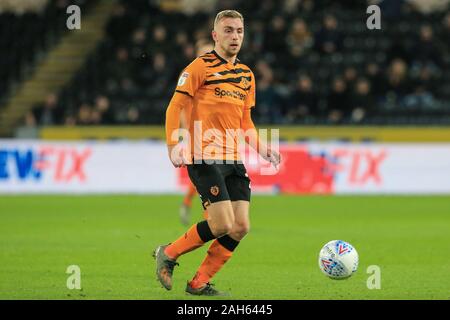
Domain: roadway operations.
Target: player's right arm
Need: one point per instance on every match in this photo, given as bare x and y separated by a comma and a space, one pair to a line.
189, 82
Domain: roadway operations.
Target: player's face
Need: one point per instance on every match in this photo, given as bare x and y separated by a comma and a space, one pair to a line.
228, 35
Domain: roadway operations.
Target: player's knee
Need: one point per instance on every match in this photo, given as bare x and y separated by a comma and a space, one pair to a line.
221, 220
240, 230
245, 229
222, 229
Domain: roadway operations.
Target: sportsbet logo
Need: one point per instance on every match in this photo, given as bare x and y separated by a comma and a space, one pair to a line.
232, 94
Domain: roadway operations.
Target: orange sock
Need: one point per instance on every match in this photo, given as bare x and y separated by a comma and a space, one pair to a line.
194, 238
216, 257
190, 195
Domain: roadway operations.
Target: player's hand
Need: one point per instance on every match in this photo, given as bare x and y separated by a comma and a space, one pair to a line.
273, 157
177, 155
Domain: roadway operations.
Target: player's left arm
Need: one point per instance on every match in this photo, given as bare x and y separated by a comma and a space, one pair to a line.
250, 132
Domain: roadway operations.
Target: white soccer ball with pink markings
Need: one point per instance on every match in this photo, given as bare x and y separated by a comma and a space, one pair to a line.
338, 259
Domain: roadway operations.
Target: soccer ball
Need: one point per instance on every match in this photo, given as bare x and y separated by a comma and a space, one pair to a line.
338, 259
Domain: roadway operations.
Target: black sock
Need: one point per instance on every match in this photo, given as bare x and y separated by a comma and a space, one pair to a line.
228, 243
204, 231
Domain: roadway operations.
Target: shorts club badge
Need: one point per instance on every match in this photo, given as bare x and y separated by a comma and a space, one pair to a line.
214, 190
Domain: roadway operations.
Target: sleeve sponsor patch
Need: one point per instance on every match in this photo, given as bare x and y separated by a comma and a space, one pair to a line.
182, 79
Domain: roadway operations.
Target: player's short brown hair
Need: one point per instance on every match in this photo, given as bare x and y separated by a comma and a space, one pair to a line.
227, 14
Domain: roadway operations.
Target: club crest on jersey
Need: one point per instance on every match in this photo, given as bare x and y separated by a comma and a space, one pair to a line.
182, 79
214, 190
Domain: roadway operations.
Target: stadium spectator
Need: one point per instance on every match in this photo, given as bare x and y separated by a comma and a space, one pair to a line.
29, 121
137, 48
398, 50
159, 40
374, 75
119, 26
444, 34
306, 6
299, 38
275, 40
256, 37
360, 101
103, 106
21, 6
121, 67
397, 84
422, 96
70, 120
329, 39
189, 52
337, 100
95, 117
203, 46
84, 115
350, 76
429, 6
47, 114
303, 101
181, 39
446, 26
191, 7
127, 89
161, 75
133, 116
426, 52
268, 110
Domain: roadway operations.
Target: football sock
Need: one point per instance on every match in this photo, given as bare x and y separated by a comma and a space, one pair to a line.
218, 254
195, 237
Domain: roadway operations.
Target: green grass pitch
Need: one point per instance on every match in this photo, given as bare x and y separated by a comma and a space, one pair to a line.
111, 238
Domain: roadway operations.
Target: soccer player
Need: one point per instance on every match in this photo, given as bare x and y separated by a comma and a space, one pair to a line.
222, 92
202, 46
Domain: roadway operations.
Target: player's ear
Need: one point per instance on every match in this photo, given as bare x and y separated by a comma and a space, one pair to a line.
214, 35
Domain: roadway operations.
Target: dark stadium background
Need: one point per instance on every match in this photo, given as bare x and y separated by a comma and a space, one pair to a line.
315, 61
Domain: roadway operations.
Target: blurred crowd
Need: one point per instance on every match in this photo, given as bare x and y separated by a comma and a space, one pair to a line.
315, 63
28, 29
22, 6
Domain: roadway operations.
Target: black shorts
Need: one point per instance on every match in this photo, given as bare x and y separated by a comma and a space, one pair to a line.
219, 182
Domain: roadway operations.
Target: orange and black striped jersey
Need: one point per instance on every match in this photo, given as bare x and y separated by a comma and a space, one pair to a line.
219, 93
